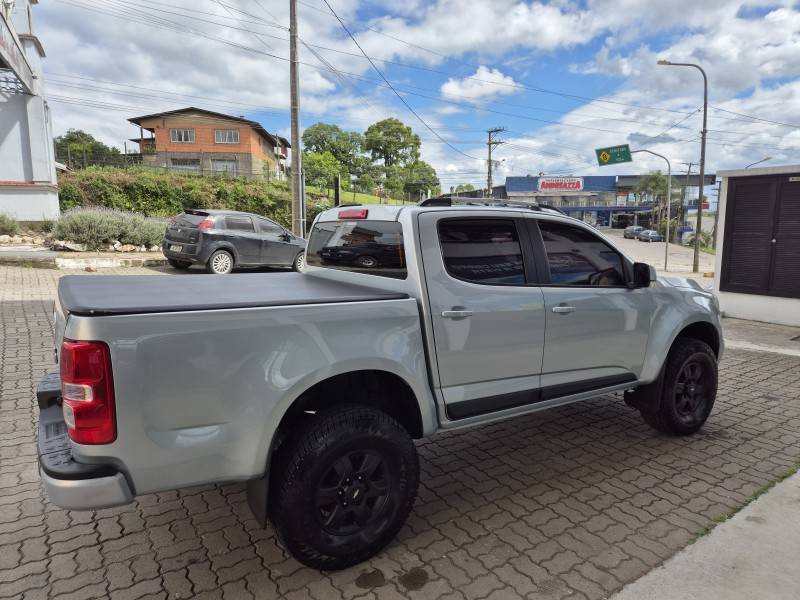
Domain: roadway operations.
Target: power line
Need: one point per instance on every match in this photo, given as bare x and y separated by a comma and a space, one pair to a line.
763, 120
403, 100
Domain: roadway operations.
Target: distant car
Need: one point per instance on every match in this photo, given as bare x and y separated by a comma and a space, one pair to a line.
649, 235
632, 231
224, 239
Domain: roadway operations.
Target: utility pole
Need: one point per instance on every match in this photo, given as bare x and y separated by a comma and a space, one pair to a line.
684, 195
294, 67
491, 143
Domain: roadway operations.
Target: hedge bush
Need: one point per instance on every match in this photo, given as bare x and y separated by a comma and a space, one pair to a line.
99, 227
8, 226
154, 192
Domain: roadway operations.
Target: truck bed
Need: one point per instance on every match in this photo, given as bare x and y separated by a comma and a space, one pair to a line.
124, 295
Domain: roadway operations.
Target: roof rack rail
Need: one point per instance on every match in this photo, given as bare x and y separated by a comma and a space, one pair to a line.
501, 202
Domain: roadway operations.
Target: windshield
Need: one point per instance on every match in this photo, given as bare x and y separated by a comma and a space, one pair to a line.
370, 247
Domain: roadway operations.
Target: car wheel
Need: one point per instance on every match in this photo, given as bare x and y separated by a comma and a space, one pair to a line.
179, 264
220, 262
299, 262
367, 262
346, 484
689, 390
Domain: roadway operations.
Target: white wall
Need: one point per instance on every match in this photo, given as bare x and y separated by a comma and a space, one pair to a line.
769, 309
29, 203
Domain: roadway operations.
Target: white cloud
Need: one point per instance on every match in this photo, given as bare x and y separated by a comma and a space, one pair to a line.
485, 84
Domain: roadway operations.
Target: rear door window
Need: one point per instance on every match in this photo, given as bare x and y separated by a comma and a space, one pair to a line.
486, 251
370, 247
239, 223
268, 227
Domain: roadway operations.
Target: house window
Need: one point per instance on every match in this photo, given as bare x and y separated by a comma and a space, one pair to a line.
181, 136
226, 136
185, 164
224, 165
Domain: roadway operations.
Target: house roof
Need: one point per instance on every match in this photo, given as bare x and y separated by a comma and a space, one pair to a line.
191, 109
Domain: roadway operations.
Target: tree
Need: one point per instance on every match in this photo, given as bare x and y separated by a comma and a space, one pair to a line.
83, 149
366, 183
321, 169
345, 146
392, 142
464, 187
652, 185
420, 177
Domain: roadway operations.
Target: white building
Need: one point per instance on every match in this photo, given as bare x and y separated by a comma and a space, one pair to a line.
28, 185
757, 274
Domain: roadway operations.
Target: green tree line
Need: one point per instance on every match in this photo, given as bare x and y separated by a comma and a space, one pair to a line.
386, 155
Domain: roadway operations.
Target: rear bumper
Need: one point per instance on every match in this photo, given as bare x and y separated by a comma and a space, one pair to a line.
189, 252
71, 484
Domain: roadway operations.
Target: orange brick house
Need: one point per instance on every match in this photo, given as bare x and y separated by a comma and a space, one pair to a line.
201, 141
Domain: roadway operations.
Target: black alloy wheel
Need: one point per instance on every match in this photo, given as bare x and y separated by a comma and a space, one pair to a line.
356, 495
343, 485
689, 389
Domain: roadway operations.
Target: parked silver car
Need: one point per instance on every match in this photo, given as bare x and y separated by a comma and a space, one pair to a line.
311, 386
649, 235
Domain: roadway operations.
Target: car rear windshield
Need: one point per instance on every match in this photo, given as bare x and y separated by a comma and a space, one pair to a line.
370, 247
190, 219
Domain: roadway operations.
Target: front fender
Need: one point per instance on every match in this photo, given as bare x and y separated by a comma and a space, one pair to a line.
675, 309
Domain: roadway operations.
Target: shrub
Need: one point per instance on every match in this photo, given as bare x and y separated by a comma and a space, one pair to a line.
8, 226
97, 228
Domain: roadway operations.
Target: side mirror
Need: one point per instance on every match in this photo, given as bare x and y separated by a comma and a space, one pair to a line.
286, 237
643, 275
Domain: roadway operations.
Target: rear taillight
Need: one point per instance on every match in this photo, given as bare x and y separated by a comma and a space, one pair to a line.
360, 213
87, 392
206, 224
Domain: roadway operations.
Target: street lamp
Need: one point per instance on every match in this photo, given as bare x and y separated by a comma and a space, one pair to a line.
758, 162
696, 262
669, 200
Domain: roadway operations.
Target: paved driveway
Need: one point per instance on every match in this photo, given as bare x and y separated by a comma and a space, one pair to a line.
570, 503
680, 257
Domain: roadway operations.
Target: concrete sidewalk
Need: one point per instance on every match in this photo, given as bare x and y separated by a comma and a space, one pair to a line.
755, 554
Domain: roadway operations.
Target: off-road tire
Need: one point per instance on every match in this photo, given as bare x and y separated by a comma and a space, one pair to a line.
179, 264
676, 415
312, 468
217, 256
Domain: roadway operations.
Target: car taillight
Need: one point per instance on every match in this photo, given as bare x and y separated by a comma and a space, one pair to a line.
353, 214
206, 224
87, 392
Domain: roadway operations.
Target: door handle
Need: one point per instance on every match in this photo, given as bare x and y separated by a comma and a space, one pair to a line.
456, 314
562, 310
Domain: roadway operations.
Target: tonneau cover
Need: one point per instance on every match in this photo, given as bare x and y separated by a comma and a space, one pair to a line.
136, 294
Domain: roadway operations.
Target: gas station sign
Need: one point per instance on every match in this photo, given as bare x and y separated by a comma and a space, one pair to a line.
560, 184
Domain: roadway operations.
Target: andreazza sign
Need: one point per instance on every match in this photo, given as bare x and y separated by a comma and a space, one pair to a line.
560, 184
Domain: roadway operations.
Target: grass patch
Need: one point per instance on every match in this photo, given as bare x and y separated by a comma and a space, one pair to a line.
754, 496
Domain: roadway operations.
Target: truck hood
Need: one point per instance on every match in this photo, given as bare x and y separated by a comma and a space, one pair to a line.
89, 295
682, 282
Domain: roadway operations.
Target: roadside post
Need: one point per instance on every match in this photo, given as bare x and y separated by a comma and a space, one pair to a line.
613, 155
669, 200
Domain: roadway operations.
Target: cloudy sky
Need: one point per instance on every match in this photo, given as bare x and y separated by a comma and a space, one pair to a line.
562, 77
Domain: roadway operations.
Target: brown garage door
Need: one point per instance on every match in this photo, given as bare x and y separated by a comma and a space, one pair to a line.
761, 253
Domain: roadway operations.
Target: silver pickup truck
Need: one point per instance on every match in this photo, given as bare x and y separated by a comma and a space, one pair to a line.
311, 386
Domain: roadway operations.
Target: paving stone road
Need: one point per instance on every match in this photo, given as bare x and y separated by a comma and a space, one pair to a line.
570, 503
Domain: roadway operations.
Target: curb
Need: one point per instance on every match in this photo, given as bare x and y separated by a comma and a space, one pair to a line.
58, 262
106, 262
35, 262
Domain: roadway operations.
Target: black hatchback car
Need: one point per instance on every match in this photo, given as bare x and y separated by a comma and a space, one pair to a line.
224, 239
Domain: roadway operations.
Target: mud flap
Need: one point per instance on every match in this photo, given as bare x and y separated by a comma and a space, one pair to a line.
257, 495
647, 397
